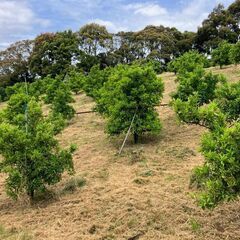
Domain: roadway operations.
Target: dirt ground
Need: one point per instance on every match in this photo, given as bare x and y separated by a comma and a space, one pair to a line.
143, 194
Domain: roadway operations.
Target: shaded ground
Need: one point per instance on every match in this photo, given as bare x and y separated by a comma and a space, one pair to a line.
143, 194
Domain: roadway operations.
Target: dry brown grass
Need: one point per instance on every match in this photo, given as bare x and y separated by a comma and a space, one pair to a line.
143, 194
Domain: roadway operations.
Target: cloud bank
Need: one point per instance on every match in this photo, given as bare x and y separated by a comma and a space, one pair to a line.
23, 19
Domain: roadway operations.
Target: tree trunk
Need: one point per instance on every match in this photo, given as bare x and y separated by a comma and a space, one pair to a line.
136, 137
30, 193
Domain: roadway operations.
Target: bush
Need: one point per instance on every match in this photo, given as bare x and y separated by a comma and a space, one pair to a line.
199, 82
75, 81
187, 111
235, 53
32, 157
60, 103
219, 176
131, 90
95, 80
59, 96
188, 62
228, 99
221, 55
154, 64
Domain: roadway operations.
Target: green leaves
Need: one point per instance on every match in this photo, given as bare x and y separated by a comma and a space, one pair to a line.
32, 157
59, 95
235, 53
188, 62
221, 150
221, 55
131, 90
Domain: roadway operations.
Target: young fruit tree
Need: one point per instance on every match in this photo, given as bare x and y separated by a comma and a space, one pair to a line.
195, 89
219, 176
235, 53
58, 94
228, 100
95, 80
188, 62
32, 157
221, 55
75, 81
131, 92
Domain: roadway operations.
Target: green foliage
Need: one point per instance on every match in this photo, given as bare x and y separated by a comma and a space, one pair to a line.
221, 55
154, 64
94, 38
59, 96
95, 80
235, 53
131, 90
35, 89
220, 25
212, 117
60, 103
200, 82
188, 62
228, 99
187, 111
58, 122
75, 81
32, 157
219, 177
53, 53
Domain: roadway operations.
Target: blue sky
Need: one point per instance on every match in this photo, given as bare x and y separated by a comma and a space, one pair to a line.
24, 19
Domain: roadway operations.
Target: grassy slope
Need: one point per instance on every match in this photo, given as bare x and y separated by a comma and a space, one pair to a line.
144, 193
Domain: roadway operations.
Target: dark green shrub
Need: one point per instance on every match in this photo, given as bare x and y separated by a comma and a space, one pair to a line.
58, 94
200, 82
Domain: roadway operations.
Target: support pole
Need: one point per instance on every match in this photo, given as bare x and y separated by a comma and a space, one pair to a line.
128, 132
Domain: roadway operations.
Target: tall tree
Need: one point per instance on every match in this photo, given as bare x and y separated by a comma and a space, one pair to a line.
54, 53
234, 9
14, 63
220, 25
158, 43
94, 39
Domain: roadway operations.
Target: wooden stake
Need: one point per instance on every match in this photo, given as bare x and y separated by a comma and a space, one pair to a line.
128, 132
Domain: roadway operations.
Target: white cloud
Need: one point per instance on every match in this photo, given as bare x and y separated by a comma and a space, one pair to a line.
16, 20
109, 25
147, 9
188, 16
20, 19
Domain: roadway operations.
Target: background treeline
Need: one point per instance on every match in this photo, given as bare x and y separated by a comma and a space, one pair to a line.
57, 53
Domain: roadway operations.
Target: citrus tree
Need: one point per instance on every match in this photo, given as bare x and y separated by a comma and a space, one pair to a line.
221, 55
58, 94
32, 157
76, 81
235, 53
188, 62
95, 80
131, 92
219, 176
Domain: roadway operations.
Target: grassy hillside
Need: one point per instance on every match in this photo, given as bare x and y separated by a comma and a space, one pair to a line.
143, 194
